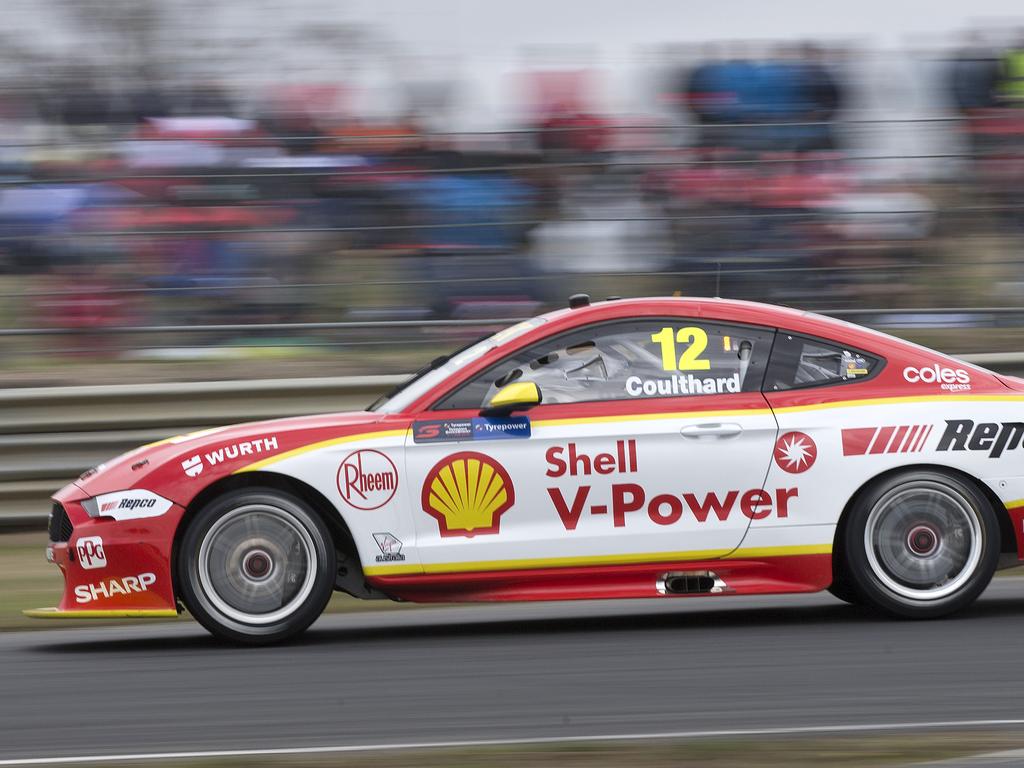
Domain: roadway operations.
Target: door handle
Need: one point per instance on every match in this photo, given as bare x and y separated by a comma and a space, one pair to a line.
711, 430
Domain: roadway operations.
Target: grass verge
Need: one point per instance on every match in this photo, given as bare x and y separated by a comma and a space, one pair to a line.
28, 581
859, 751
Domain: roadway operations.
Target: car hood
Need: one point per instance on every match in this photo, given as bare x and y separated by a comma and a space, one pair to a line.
177, 468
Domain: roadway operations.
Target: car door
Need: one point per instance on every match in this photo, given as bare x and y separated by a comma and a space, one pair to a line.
651, 443
831, 440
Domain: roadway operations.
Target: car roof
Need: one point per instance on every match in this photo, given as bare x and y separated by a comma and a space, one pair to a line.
737, 311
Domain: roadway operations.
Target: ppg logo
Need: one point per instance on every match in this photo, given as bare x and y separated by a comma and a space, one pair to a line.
90, 552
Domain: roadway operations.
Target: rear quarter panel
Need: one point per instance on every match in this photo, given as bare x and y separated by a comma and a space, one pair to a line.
923, 410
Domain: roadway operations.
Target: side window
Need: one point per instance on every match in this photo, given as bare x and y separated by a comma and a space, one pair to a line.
803, 362
628, 360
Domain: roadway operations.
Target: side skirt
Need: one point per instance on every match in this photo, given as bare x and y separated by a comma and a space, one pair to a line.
746, 576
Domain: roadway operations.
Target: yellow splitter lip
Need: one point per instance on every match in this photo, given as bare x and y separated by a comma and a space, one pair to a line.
56, 613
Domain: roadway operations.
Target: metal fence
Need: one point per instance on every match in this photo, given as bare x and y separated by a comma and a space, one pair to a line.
48, 436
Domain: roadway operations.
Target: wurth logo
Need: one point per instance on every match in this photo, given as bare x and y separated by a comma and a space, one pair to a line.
194, 466
896, 439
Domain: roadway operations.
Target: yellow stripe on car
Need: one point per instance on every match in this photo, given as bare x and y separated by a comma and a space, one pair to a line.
257, 465
146, 613
628, 559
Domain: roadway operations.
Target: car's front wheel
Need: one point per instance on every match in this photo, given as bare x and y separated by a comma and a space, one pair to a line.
921, 544
256, 566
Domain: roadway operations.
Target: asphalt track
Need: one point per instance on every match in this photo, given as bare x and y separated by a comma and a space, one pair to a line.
509, 672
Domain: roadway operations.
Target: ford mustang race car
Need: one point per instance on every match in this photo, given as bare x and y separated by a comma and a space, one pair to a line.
657, 448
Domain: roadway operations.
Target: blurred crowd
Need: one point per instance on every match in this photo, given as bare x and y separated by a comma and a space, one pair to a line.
161, 203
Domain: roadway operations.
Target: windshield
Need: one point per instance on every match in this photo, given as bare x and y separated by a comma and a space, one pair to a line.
439, 369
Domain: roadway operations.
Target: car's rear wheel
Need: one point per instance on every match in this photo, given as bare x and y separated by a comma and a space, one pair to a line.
920, 544
256, 566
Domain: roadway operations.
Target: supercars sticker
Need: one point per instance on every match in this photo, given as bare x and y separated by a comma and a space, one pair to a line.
477, 428
390, 548
467, 493
194, 466
625, 498
795, 452
86, 593
966, 435
131, 505
905, 438
951, 379
367, 479
89, 550
442, 431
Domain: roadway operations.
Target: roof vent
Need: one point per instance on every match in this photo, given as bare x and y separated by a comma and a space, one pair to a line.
578, 300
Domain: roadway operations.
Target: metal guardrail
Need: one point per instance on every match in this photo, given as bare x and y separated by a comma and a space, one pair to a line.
50, 435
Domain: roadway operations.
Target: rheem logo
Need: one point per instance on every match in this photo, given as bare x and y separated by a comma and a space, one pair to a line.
90, 552
367, 479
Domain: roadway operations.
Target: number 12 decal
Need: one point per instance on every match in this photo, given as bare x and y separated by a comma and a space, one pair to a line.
696, 340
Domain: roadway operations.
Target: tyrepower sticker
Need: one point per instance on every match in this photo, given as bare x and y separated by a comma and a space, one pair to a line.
86, 593
195, 465
626, 498
367, 479
89, 550
994, 437
477, 428
952, 379
131, 505
467, 493
906, 438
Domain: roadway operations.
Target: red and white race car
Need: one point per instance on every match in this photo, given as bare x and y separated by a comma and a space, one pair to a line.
630, 448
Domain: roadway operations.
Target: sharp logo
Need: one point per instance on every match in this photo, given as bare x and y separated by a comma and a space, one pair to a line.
90, 552
86, 593
908, 438
994, 437
194, 466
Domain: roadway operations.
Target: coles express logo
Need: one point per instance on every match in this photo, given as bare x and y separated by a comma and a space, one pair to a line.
367, 479
946, 378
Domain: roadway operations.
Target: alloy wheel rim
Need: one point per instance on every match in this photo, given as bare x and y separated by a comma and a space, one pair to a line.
923, 541
257, 564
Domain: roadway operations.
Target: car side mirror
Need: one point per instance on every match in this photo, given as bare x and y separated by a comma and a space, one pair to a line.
517, 396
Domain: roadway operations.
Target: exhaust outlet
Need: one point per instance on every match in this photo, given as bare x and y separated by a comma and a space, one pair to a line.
690, 583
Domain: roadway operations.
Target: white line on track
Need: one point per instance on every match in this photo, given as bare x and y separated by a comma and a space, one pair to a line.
525, 741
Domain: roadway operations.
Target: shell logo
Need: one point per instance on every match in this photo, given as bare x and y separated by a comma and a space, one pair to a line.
467, 493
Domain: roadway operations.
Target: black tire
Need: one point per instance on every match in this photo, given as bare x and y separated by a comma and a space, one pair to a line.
934, 545
841, 586
844, 592
256, 566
